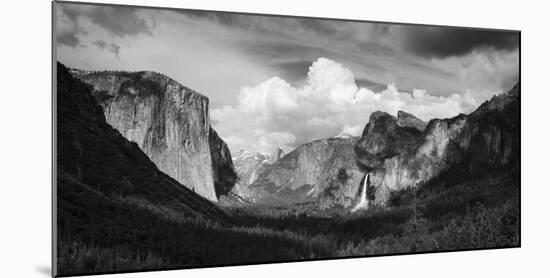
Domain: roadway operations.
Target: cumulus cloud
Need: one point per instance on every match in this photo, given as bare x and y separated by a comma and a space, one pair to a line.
271, 141
277, 114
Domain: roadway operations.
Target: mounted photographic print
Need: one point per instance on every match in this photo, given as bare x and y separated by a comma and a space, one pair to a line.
191, 139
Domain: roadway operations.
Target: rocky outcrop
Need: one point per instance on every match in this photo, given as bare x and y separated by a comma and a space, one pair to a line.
169, 122
400, 155
99, 172
386, 136
405, 119
225, 176
277, 154
324, 168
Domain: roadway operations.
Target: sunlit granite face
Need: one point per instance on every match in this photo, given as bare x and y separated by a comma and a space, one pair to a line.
168, 121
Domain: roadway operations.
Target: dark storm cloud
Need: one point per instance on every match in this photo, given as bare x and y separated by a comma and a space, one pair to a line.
333, 29
274, 49
293, 71
100, 44
114, 48
118, 20
441, 42
68, 40
273, 27
280, 27
226, 19
326, 28
375, 47
111, 47
274, 40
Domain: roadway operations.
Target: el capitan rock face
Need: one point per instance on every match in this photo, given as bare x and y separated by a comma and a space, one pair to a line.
169, 122
97, 166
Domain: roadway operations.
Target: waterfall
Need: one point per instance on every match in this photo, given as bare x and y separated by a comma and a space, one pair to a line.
363, 203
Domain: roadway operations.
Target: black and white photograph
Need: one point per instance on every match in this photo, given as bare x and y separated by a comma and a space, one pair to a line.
191, 138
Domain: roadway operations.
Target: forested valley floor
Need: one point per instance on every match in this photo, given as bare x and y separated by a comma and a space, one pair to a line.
450, 212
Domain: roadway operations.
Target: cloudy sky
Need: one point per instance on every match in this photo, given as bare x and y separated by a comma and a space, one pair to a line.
280, 81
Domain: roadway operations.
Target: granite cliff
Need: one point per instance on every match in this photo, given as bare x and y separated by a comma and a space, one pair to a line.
401, 155
225, 176
330, 172
97, 166
169, 122
310, 172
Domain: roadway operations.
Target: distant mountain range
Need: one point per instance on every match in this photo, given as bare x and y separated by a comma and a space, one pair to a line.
249, 165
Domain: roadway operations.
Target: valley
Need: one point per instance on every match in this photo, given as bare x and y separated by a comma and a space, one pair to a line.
145, 182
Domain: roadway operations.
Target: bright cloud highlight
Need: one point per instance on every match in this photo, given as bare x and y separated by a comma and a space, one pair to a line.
276, 114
